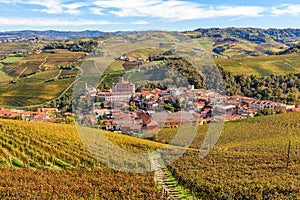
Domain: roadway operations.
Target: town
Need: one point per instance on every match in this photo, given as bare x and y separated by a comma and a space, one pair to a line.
122, 109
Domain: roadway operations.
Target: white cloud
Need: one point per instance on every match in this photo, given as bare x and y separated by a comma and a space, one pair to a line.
45, 22
175, 10
140, 22
286, 9
53, 6
97, 11
171, 10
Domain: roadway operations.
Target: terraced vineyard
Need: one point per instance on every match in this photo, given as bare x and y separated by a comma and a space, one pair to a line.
38, 78
250, 160
46, 147
262, 65
30, 144
46, 60
76, 184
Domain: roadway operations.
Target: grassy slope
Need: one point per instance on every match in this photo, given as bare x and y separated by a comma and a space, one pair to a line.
46, 147
33, 90
263, 65
266, 133
248, 161
42, 142
4, 77
11, 59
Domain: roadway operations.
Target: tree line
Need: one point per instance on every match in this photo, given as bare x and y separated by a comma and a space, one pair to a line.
76, 46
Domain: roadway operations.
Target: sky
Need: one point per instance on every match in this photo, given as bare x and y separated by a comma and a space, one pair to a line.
139, 15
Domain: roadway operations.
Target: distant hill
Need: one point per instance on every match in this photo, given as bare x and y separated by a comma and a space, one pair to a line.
256, 35
293, 49
244, 42
58, 35
51, 34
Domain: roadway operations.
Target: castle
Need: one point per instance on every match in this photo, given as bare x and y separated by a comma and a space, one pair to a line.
120, 94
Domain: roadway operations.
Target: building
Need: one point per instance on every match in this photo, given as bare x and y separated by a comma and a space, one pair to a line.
120, 94
123, 86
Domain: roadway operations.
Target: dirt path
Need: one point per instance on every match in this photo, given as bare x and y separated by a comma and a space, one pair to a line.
22, 72
59, 73
161, 177
45, 60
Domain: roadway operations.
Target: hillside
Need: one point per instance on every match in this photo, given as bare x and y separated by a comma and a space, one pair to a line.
39, 145
262, 65
42, 78
293, 49
37, 153
249, 160
245, 42
38, 78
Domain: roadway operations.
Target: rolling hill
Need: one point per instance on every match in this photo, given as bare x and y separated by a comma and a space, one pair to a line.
50, 161
245, 42
249, 160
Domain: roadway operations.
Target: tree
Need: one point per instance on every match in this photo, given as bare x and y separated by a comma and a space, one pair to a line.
267, 111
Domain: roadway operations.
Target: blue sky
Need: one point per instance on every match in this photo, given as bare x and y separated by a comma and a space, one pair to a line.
146, 14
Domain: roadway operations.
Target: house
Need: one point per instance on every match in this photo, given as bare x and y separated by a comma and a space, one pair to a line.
225, 109
173, 120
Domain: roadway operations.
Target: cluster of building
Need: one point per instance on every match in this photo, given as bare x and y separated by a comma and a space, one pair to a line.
132, 59
123, 109
16, 38
41, 115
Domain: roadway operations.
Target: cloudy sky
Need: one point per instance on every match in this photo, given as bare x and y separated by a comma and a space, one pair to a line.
146, 14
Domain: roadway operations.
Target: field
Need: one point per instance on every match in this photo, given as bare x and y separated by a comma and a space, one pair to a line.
32, 91
249, 161
39, 145
19, 47
36, 151
11, 59
205, 43
263, 65
38, 78
76, 184
4, 77
43, 61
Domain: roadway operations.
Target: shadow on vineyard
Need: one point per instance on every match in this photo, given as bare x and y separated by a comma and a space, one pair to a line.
49, 160
254, 159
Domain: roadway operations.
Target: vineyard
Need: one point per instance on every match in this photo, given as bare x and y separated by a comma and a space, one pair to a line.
76, 184
262, 65
40, 145
34, 152
236, 175
32, 91
43, 61
252, 160
38, 78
